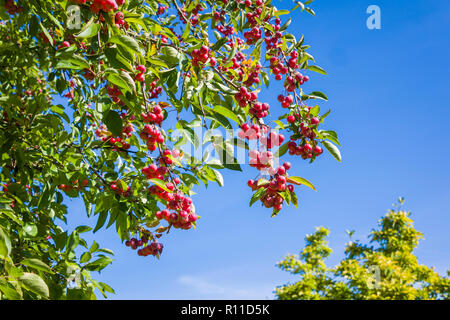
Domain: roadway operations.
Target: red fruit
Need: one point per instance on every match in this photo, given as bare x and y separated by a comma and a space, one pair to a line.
291, 119
318, 150
170, 186
315, 121
287, 165
140, 77
281, 179
281, 171
140, 68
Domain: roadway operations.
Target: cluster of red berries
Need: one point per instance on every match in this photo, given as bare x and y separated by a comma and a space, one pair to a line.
74, 185
12, 8
278, 183
259, 110
256, 12
252, 132
194, 16
152, 136
260, 160
243, 97
118, 188
278, 68
253, 35
161, 10
135, 243
88, 74
155, 115
227, 31
179, 212
118, 143
252, 75
286, 101
104, 5
141, 73
114, 92
154, 172
291, 83
119, 19
154, 248
202, 55
305, 150
155, 91
274, 139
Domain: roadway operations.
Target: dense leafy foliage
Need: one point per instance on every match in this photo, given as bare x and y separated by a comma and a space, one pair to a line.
103, 111
386, 268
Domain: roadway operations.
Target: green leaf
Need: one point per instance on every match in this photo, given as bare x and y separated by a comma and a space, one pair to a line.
82, 229
219, 44
10, 293
218, 177
34, 283
98, 264
73, 62
170, 55
294, 199
36, 264
300, 180
85, 257
5, 244
30, 230
113, 122
257, 195
281, 150
226, 113
318, 95
101, 220
126, 42
89, 31
317, 69
333, 150
122, 80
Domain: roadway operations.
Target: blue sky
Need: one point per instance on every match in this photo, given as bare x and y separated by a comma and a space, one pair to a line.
388, 91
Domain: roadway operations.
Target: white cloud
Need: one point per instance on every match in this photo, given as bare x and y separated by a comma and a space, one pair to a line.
210, 290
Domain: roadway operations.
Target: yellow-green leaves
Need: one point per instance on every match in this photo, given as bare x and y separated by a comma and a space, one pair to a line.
37, 265
333, 150
90, 30
299, 181
5, 244
35, 284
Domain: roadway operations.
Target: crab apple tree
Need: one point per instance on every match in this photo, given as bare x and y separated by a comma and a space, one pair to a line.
92, 113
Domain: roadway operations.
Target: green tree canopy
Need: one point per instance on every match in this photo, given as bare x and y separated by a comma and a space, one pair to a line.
384, 268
